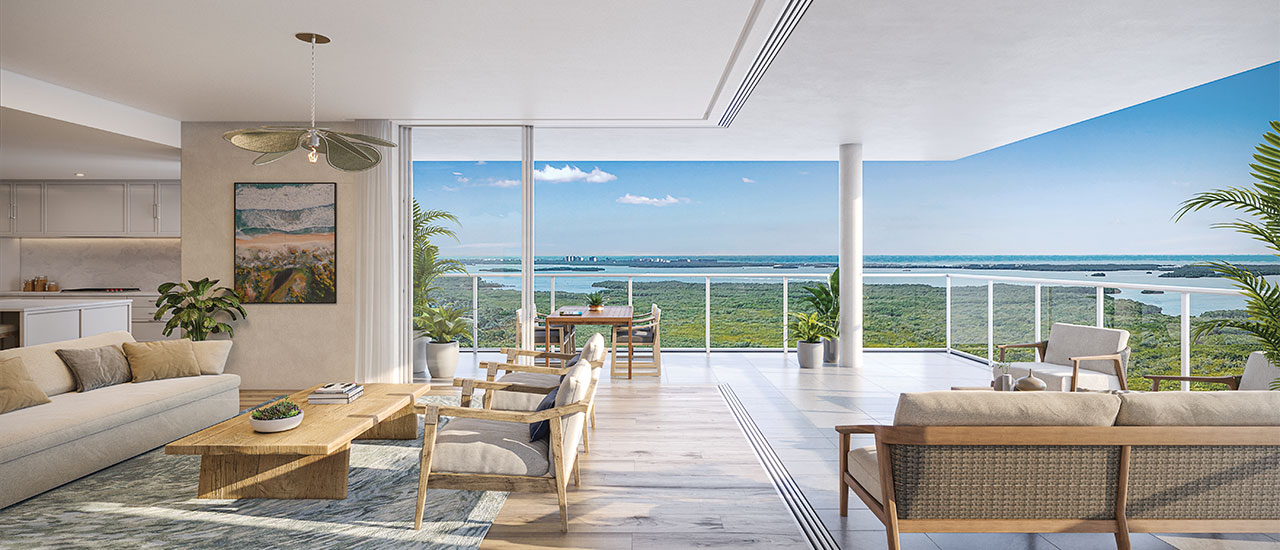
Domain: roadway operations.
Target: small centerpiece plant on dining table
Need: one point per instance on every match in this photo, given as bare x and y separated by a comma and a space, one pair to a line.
595, 301
279, 416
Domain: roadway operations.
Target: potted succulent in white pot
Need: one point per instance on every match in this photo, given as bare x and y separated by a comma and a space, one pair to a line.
825, 300
808, 330
280, 416
446, 327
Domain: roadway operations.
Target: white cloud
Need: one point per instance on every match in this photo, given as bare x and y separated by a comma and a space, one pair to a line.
748, 180
650, 201
457, 173
449, 188
463, 180
502, 183
569, 173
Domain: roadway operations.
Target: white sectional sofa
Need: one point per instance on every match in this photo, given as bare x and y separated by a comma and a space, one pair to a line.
75, 434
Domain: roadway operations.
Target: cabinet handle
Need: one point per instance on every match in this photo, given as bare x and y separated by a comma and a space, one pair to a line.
155, 211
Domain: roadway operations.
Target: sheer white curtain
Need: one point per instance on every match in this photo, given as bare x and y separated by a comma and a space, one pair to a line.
382, 317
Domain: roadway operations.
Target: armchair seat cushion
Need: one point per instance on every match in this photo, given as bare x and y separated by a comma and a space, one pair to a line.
521, 401
1058, 377
865, 469
473, 446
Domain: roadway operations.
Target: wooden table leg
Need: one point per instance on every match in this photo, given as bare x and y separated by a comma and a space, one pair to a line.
401, 425
274, 476
631, 346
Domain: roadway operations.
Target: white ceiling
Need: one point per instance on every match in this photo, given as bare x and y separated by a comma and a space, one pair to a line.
604, 80
38, 148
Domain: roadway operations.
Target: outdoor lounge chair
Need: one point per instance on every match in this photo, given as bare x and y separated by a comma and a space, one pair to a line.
1076, 357
490, 450
645, 333
1257, 376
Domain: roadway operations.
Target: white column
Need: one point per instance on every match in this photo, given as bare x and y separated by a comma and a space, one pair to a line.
526, 240
850, 204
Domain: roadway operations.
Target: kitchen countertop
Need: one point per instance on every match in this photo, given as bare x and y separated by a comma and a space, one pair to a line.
61, 294
62, 304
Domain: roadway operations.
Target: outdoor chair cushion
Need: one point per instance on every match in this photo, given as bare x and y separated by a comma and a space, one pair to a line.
1067, 341
640, 335
521, 401
593, 351
1004, 408
1200, 408
865, 469
473, 446
540, 336
1058, 377
1258, 373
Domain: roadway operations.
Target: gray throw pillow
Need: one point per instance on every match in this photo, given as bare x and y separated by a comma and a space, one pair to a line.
95, 368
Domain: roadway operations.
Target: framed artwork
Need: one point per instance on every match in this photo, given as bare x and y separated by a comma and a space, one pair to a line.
286, 243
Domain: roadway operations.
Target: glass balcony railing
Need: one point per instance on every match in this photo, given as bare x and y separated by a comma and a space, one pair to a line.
956, 313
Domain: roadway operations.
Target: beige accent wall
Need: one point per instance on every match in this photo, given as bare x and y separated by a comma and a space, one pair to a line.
279, 346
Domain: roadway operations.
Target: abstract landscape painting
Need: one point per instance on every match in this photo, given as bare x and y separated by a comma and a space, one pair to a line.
286, 240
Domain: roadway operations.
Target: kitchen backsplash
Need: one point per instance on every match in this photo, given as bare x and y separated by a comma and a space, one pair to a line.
107, 262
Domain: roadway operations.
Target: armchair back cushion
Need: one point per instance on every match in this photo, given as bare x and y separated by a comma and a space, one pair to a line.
1200, 408
1258, 373
593, 350
1067, 341
573, 389
975, 408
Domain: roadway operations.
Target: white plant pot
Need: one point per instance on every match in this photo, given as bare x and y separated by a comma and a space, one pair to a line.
442, 359
831, 350
809, 354
278, 425
420, 356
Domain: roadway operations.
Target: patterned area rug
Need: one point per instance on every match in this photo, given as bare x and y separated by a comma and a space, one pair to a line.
149, 502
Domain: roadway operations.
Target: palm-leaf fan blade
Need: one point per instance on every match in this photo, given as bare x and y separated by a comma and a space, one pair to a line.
367, 139
264, 141
268, 158
347, 159
342, 143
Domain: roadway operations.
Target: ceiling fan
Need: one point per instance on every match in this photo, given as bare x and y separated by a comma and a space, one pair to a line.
342, 150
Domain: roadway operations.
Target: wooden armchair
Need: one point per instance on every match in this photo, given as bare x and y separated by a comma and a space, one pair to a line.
645, 333
490, 450
1076, 356
562, 337
1257, 376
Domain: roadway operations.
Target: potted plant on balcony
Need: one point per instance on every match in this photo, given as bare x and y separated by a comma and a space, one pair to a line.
1261, 202
280, 416
825, 300
808, 330
427, 266
195, 307
446, 327
595, 301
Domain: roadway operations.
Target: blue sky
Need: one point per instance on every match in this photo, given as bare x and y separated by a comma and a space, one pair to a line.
1103, 186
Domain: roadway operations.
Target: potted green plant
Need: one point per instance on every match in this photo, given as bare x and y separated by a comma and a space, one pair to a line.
427, 267
1261, 202
446, 327
280, 416
195, 307
595, 300
808, 329
825, 301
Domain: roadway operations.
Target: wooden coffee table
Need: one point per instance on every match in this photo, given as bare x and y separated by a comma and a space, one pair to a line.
310, 461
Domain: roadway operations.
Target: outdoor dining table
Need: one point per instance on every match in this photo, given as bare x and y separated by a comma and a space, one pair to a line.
614, 316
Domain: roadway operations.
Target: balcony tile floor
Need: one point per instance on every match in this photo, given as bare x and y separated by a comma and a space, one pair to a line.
797, 408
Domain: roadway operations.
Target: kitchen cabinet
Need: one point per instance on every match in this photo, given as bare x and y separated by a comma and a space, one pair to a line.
107, 208
42, 321
85, 209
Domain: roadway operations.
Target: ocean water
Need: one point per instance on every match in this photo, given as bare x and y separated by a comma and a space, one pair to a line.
809, 267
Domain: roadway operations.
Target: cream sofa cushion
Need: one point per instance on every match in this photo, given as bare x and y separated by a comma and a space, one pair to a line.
161, 359
211, 355
71, 416
865, 469
1006, 408
473, 446
48, 371
1067, 341
1058, 377
1200, 408
17, 390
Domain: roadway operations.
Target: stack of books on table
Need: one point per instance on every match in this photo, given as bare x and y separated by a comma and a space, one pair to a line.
335, 394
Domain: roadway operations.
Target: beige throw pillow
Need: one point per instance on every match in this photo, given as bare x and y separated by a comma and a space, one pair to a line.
95, 368
212, 355
17, 390
161, 359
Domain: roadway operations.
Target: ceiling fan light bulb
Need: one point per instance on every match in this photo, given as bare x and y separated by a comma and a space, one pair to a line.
313, 156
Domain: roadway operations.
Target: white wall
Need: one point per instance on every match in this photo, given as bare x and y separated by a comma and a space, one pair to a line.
280, 346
